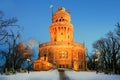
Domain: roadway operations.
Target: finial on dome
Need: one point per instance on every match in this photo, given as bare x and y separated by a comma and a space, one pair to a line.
61, 9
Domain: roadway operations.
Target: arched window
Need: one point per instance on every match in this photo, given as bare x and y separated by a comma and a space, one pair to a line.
45, 57
60, 66
55, 39
68, 36
63, 54
66, 65
59, 19
59, 28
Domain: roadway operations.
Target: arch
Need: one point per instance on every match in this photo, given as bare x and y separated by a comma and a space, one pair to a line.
66, 65
68, 36
60, 66
68, 29
62, 28
59, 29
62, 33
54, 39
45, 55
56, 20
60, 20
55, 29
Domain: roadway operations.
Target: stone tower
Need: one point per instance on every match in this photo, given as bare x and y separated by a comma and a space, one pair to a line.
62, 51
61, 29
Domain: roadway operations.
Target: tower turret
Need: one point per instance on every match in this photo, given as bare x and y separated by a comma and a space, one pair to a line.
61, 28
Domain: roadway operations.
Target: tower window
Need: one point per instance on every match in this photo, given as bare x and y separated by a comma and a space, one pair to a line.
56, 20
45, 57
63, 54
62, 19
66, 65
55, 39
59, 28
59, 66
59, 19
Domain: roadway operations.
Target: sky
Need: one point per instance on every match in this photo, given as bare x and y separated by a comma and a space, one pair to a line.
92, 19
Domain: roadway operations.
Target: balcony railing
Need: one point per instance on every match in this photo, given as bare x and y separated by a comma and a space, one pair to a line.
62, 43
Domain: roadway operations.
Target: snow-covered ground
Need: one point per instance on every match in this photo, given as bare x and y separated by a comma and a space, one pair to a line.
73, 75
55, 75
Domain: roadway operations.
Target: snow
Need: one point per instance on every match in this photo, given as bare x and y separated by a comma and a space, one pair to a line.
73, 75
55, 75
37, 75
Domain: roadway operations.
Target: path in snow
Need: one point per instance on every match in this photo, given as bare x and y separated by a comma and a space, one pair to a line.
55, 75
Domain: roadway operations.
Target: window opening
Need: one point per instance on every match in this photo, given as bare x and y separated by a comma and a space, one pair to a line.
59, 19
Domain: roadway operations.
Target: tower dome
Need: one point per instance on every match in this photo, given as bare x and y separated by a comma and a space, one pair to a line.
61, 15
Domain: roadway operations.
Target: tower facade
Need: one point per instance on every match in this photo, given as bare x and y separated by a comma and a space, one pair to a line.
62, 51
61, 29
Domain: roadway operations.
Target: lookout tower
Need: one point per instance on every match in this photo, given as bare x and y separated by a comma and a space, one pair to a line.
62, 51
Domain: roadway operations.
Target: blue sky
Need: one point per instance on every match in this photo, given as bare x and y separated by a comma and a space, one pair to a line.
92, 19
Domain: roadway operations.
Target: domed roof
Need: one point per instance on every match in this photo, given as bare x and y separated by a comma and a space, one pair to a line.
61, 15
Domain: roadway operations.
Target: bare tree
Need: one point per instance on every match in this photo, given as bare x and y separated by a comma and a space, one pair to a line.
109, 48
102, 46
15, 51
9, 39
5, 27
118, 29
